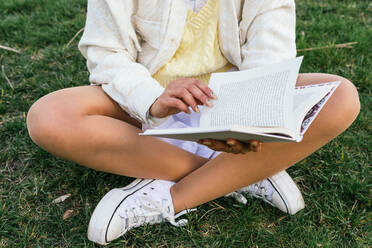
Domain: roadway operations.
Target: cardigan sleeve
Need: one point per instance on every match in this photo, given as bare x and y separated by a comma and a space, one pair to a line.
110, 46
270, 35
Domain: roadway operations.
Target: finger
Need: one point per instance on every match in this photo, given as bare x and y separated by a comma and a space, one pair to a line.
198, 94
178, 104
215, 145
255, 145
205, 89
259, 147
188, 98
235, 146
246, 147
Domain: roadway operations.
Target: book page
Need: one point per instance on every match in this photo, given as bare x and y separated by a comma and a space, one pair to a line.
308, 102
261, 97
243, 97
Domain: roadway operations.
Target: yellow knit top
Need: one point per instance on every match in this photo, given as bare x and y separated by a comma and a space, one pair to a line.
199, 52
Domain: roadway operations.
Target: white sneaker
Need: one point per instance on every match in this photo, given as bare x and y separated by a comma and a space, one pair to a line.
144, 201
279, 191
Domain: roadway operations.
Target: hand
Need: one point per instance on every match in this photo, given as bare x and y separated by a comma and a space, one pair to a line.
232, 145
179, 95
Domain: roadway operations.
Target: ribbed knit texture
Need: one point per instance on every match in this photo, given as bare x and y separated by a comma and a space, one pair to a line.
199, 52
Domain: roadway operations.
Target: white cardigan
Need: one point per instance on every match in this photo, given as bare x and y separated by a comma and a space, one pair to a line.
126, 41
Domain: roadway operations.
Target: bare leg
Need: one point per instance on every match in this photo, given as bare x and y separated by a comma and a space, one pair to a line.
229, 172
84, 125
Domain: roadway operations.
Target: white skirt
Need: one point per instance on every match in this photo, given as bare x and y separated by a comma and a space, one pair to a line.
183, 120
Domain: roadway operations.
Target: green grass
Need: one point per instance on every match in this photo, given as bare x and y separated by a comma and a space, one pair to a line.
335, 181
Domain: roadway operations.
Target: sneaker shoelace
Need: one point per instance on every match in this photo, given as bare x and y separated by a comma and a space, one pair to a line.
261, 189
142, 210
238, 197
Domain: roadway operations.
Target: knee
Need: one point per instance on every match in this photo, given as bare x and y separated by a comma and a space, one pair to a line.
39, 122
345, 106
349, 100
44, 122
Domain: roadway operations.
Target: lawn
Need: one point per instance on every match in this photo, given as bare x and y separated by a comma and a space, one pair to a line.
335, 181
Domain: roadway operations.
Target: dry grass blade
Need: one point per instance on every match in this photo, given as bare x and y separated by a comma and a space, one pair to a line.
6, 78
280, 219
9, 49
61, 198
73, 38
67, 214
210, 210
343, 45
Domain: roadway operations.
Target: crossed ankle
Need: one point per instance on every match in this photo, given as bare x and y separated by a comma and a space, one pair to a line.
178, 205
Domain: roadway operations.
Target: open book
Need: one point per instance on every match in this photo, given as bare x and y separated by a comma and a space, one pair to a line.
262, 103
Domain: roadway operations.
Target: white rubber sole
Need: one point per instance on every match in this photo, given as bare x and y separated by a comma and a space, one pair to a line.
288, 191
105, 210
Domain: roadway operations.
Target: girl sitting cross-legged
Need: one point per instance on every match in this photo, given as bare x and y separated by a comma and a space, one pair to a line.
150, 64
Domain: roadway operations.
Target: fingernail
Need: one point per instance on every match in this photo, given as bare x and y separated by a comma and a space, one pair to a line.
230, 142
209, 103
213, 95
197, 110
254, 144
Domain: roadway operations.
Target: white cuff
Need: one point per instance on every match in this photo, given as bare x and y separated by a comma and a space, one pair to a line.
154, 121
